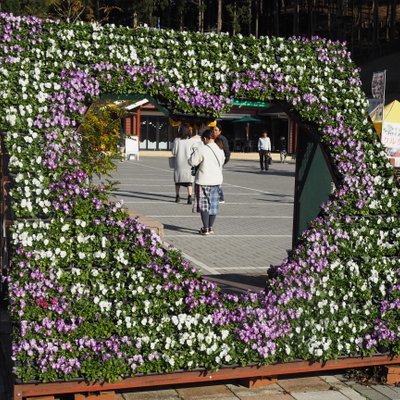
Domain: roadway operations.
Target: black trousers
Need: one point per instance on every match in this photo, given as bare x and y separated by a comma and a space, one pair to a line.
264, 159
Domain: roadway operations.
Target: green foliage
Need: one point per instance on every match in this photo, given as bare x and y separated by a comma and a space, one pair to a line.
101, 137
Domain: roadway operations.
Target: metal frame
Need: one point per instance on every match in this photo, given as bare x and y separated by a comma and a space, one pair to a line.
22, 391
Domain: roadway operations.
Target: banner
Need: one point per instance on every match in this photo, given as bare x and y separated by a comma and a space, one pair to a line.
391, 136
378, 85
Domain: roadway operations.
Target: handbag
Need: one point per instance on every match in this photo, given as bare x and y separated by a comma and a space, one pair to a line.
171, 161
193, 170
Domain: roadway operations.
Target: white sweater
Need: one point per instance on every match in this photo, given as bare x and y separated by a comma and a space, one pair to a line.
264, 143
210, 169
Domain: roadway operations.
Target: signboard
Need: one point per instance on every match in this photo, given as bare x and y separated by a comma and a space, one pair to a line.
132, 147
378, 85
391, 140
391, 135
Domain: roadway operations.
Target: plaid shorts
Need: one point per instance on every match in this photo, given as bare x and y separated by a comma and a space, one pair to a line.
206, 198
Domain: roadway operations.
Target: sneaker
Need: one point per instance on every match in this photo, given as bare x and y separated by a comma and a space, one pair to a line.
222, 202
204, 231
211, 231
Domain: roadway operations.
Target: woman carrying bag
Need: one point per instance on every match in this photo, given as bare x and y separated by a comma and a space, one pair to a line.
209, 159
181, 150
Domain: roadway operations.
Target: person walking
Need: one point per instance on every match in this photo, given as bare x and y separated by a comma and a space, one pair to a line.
210, 159
282, 149
182, 149
217, 131
264, 149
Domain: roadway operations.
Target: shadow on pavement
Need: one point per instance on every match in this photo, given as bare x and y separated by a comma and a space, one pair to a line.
237, 283
143, 195
266, 173
181, 228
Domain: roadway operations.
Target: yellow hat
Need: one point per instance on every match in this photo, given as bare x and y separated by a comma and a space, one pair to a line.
212, 124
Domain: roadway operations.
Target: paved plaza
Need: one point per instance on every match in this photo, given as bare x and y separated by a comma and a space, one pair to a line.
253, 229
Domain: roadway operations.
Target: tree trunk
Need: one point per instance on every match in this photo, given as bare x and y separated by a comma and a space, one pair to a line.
339, 20
234, 18
311, 17
392, 34
387, 22
257, 18
135, 22
296, 18
250, 16
201, 17
375, 22
97, 10
359, 20
276, 18
219, 16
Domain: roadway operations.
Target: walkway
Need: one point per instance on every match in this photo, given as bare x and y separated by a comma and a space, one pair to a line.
253, 229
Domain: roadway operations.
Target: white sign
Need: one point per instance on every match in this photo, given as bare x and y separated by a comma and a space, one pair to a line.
378, 85
132, 147
391, 135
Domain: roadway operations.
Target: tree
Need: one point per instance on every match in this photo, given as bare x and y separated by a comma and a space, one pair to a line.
101, 137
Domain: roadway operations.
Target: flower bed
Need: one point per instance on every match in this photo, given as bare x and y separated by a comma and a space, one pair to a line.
93, 295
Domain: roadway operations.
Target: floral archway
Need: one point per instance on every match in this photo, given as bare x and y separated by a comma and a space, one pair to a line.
93, 295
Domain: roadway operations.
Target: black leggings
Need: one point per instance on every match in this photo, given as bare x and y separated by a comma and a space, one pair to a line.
208, 220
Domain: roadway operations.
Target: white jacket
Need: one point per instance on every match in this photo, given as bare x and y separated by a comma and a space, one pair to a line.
210, 159
264, 143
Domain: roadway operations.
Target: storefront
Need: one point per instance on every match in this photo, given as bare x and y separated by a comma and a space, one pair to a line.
242, 126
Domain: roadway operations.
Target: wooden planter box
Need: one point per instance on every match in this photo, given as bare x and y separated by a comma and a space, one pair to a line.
24, 391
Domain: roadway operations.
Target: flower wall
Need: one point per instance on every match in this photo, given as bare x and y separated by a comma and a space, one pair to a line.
92, 294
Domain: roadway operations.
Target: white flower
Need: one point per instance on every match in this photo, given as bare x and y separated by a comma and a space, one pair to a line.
64, 228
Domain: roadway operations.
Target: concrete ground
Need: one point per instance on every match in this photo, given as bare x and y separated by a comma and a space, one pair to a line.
253, 230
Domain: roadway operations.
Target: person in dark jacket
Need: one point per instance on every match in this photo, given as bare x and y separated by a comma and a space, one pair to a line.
282, 149
217, 132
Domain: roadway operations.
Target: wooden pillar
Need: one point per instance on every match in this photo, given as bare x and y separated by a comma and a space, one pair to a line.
392, 374
101, 396
138, 118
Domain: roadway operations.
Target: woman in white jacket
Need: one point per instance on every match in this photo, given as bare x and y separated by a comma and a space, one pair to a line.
182, 149
209, 159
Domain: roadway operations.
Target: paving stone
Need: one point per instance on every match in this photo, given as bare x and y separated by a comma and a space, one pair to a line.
220, 392
341, 386
162, 394
387, 391
254, 396
396, 388
299, 385
351, 394
266, 391
333, 381
368, 392
324, 395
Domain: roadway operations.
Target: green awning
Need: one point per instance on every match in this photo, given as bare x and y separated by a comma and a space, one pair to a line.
248, 103
248, 119
135, 98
